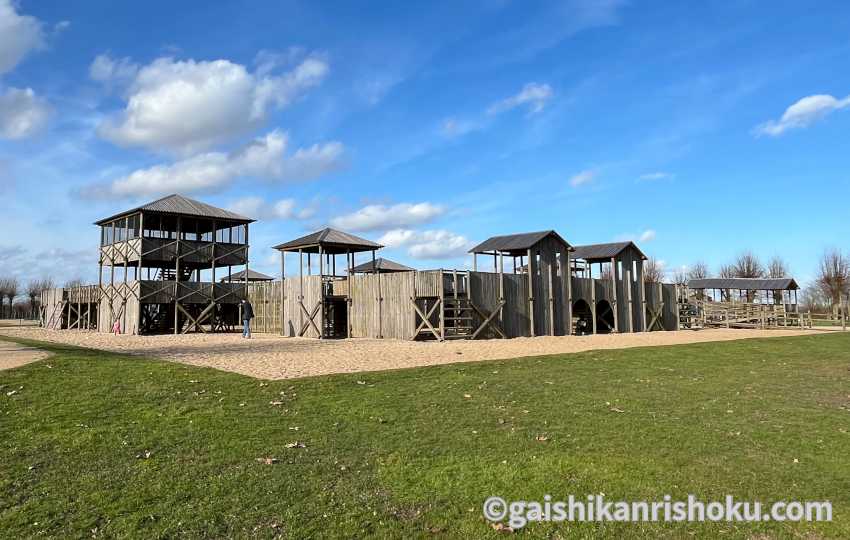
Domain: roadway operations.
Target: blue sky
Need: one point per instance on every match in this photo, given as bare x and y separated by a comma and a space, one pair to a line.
698, 129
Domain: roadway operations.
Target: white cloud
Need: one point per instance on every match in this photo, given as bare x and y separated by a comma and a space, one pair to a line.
433, 244
452, 127
258, 208
532, 94
22, 113
582, 178
19, 34
803, 113
377, 217
189, 106
647, 236
106, 69
659, 175
263, 158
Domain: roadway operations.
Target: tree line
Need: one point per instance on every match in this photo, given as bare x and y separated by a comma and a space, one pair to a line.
824, 293
23, 301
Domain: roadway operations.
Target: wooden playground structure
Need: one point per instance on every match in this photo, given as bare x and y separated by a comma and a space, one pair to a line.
168, 267
157, 272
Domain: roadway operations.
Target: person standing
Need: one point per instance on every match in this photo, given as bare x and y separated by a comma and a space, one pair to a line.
247, 315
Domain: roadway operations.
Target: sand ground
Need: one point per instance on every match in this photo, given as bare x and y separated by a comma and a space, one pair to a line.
13, 355
268, 356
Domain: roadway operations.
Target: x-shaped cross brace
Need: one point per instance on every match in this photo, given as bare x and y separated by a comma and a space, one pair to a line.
425, 318
489, 320
310, 316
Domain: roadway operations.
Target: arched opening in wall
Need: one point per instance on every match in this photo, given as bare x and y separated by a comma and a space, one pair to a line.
582, 318
604, 317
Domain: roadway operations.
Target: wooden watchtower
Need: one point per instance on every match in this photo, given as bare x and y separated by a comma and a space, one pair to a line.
319, 305
158, 267
543, 257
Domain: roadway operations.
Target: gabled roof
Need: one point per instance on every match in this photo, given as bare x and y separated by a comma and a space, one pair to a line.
515, 242
382, 265
178, 205
253, 275
331, 240
745, 284
604, 252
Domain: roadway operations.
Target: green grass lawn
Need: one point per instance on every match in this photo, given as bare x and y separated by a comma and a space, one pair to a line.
96, 444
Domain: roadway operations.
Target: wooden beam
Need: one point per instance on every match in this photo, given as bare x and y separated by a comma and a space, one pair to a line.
530, 274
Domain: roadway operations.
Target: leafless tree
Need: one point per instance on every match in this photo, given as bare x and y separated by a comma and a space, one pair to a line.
34, 289
813, 299
76, 282
10, 291
833, 276
653, 271
699, 270
748, 265
777, 268
605, 274
4, 286
680, 277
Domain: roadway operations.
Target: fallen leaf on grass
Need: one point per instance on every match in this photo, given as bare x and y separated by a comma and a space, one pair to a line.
275, 403
467, 396
267, 460
617, 410
296, 444
541, 438
501, 527
144, 455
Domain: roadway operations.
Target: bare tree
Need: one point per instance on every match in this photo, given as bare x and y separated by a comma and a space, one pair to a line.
813, 299
680, 277
76, 282
699, 270
4, 287
10, 288
726, 271
748, 265
777, 268
34, 289
653, 271
834, 276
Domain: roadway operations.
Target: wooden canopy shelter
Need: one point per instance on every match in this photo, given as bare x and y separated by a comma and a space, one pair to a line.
380, 266
628, 284
330, 304
253, 277
764, 290
544, 256
166, 245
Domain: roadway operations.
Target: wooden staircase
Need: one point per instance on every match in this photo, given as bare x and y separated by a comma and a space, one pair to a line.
458, 317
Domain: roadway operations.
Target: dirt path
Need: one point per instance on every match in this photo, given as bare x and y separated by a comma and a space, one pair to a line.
272, 357
13, 355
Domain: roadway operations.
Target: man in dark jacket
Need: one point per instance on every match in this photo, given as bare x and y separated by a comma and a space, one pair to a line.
247, 315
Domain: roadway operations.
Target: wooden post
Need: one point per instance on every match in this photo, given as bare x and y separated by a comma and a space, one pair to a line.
627, 282
501, 289
301, 287
321, 293
282, 293
474, 262
614, 275
176, 278
677, 311
530, 274
379, 299
593, 301
349, 297
568, 279
551, 303
642, 294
